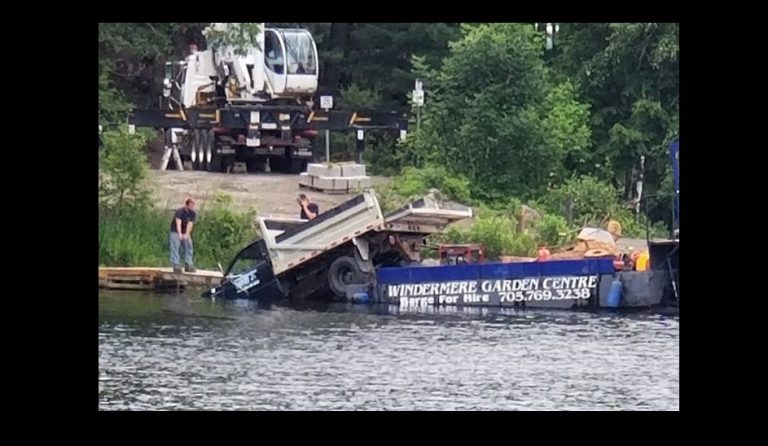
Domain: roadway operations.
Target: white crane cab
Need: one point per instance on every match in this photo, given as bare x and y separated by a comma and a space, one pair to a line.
290, 61
283, 65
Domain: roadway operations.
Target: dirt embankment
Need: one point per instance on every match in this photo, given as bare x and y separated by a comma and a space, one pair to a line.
270, 194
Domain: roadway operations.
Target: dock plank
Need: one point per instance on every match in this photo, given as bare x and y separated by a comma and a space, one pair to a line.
129, 286
132, 278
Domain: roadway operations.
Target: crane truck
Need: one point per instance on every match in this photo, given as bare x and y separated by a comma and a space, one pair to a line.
224, 105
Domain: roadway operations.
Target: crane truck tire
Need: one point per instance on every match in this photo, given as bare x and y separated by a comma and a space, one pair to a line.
201, 149
195, 141
209, 139
342, 272
212, 159
297, 165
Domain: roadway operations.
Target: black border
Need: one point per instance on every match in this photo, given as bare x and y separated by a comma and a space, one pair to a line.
703, 368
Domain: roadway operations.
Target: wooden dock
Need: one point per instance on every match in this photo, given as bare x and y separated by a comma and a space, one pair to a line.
154, 278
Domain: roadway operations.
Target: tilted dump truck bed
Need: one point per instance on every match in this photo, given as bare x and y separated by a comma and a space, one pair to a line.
292, 242
425, 216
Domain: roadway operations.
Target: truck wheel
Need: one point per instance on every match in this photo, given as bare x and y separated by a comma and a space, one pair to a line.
210, 144
342, 272
277, 164
215, 164
227, 162
193, 152
201, 149
297, 165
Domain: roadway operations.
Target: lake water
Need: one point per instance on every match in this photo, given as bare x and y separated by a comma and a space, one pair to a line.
182, 352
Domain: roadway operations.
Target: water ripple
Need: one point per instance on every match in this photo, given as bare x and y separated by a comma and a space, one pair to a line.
239, 357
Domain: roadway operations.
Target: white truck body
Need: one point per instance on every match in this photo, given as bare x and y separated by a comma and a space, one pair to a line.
351, 221
336, 249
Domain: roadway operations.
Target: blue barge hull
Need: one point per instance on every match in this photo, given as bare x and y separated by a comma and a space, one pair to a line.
563, 284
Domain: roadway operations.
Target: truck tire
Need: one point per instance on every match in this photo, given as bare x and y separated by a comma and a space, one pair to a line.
342, 272
213, 160
227, 161
201, 149
209, 144
297, 165
196, 161
215, 164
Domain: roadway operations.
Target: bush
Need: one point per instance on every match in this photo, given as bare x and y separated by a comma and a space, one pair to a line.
495, 222
383, 154
635, 227
497, 233
139, 237
552, 230
222, 231
123, 170
133, 237
499, 237
389, 199
414, 183
593, 201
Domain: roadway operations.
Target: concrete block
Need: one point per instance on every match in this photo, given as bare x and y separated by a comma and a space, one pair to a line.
330, 183
322, 170
353, 170
351, 184
359, 182
315, 169
305, 179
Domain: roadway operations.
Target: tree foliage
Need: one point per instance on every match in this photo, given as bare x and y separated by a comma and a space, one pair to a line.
131, 58
122, 170
629, 74
240, 36
503, 116
495, 116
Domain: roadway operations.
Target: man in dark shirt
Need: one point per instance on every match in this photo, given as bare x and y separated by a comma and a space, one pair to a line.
181, 230
308, 210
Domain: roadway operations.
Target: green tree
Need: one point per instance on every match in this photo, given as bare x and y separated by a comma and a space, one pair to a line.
123, 170
377, 56
354, 97
493, 116
131, 58
629, 74
585, 199
240, 36
113, 106
565, 130
222, 230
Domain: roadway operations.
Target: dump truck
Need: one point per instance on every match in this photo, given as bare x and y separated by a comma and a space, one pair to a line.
321, 257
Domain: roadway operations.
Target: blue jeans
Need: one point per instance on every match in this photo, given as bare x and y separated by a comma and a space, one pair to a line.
177, 242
